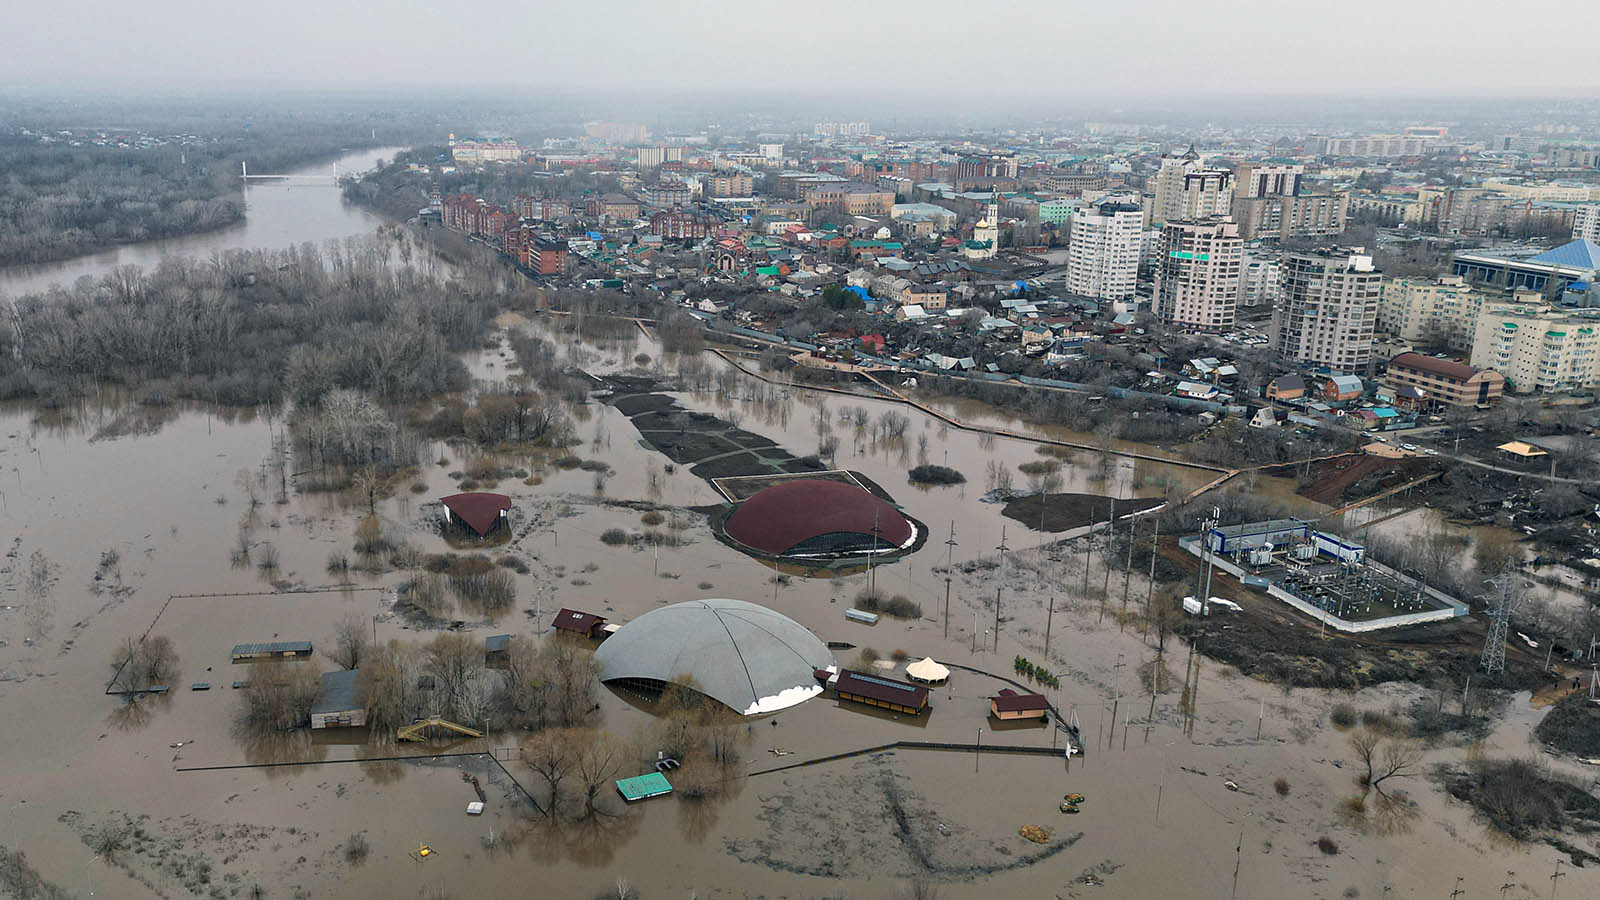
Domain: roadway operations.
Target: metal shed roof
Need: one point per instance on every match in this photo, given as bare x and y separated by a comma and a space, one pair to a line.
338, 693
272, 647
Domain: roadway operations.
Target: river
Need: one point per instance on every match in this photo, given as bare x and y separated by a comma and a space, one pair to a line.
277, 215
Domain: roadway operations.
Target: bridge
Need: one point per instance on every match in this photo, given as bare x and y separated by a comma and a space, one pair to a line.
303, 178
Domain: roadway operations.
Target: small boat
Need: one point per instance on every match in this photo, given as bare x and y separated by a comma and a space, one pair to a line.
1070, 809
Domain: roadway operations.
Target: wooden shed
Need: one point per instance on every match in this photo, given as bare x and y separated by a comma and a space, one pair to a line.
588, 625
884, 693
1009, 704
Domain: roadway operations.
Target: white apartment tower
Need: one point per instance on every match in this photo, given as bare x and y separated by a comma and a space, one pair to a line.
1103, 256
1433, 312
1586, 223
1327, 309
1197, 274
1536, 346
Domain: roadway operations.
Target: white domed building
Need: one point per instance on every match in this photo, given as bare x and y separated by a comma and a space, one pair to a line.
747, 657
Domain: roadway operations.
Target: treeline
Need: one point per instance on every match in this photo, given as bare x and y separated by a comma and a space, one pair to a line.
58, 202
251, 327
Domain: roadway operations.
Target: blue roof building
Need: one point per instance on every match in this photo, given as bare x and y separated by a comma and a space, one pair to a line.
1562, 267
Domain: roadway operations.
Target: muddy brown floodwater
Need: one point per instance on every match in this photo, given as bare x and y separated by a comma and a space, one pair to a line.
1159, 819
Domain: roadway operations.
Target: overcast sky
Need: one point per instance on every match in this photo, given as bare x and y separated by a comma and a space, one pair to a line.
967, 48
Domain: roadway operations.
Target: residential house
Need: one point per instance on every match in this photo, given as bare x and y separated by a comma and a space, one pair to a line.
1340, 388
1286, 387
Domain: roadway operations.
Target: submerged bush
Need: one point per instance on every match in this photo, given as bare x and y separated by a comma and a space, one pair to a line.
931, 474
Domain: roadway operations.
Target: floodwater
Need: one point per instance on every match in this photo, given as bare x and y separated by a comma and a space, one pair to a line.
277, 215
172, 502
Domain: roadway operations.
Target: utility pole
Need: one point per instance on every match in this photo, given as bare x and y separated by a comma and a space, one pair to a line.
949, 561
1127, 576
1088, 539
1049, 616
1116, 690
1150, 590
1111, 538
999, 582
872, 573
1238, 859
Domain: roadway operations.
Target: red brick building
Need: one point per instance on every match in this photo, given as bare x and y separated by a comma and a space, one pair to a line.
547, 256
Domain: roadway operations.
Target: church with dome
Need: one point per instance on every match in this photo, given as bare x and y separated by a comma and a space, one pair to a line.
986, 234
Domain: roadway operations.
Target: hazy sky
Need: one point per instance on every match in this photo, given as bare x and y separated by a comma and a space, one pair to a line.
957, 48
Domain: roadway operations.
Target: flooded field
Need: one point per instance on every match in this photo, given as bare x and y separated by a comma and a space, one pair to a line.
165, 525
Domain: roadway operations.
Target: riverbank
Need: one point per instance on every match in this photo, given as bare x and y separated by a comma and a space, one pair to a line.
274, 215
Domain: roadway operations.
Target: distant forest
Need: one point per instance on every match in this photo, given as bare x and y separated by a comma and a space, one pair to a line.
253, 327
58, 201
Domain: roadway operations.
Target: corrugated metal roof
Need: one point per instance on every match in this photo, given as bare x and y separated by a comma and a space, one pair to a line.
272, 647
338, 692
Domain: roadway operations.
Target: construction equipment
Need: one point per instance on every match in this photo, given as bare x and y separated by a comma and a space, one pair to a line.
422, 852
422, 729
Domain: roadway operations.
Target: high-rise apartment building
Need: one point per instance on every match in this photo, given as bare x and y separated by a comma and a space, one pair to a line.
1286, 216
1103, 253
1186, 190
650, 157
1258, 280
1197, 274
1586, 223
1328, 309
1538, 347
1434, 312
1254, 179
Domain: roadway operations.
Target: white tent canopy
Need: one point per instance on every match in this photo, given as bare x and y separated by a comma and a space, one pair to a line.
926, 670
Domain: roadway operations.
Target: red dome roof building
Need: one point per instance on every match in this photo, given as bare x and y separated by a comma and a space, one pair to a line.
814, 518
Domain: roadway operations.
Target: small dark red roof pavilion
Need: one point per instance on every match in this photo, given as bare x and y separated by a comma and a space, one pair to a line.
480, 510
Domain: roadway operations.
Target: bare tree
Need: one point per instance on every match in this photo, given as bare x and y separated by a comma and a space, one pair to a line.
598, 758
1384, 756
521, 698
552, 754
388, 681
350, 642
278, 695
456, 663
144, 663
570, 671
